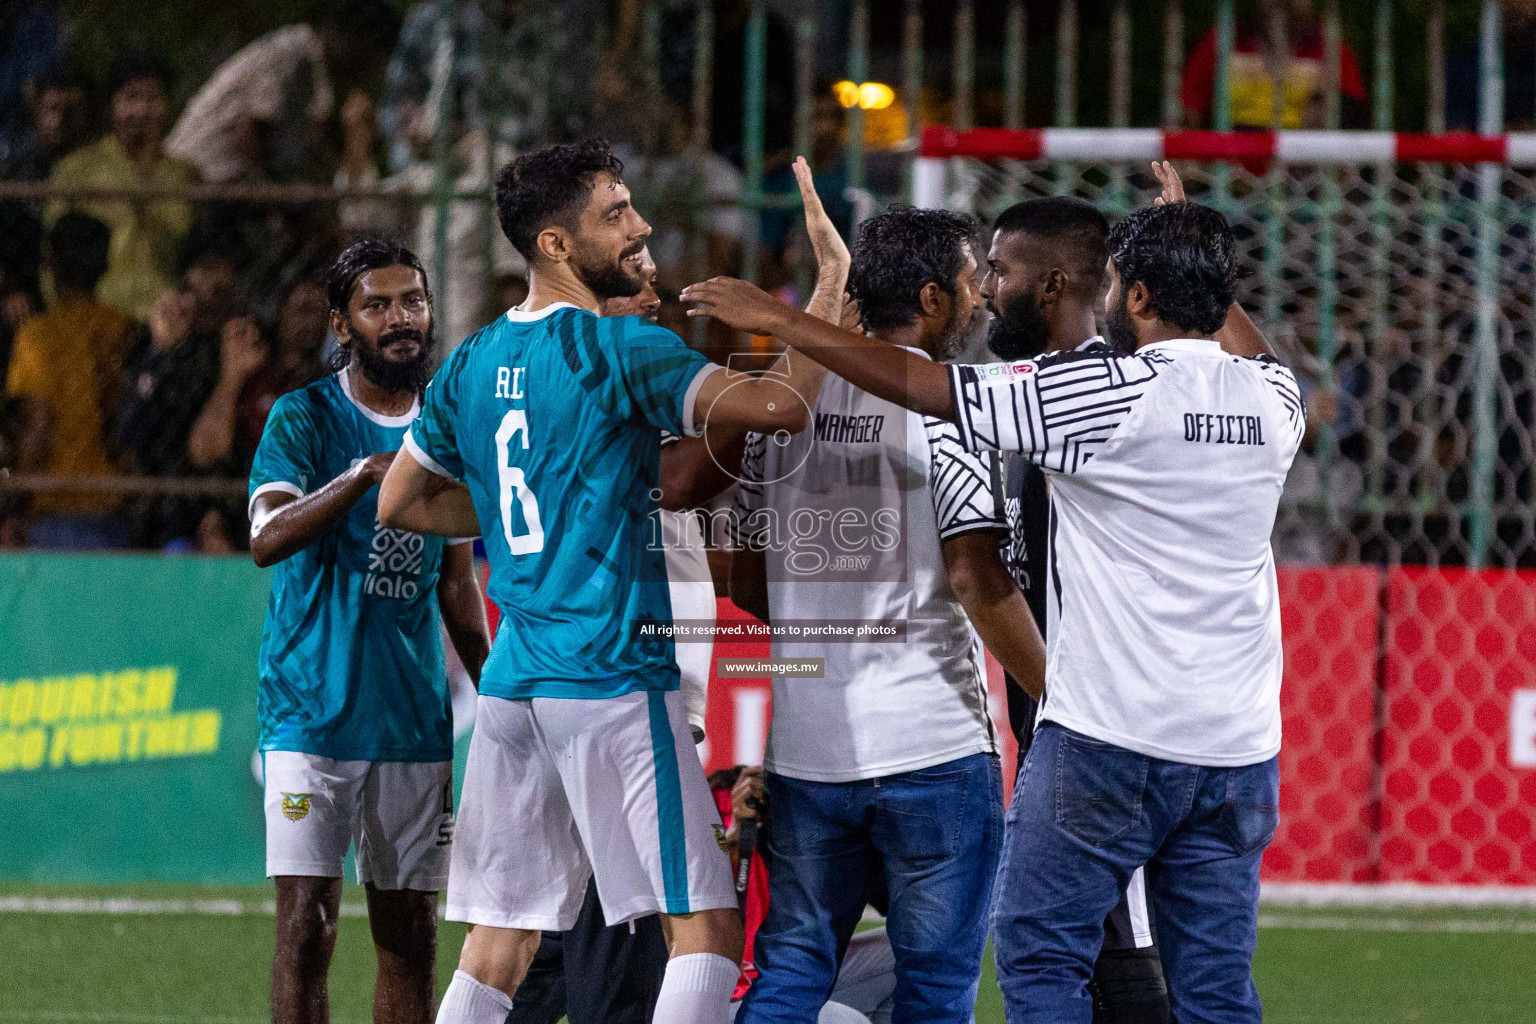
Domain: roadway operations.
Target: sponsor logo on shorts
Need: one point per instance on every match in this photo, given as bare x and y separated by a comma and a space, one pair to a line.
295, 805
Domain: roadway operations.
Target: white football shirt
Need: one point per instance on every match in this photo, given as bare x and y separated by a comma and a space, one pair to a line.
851, 512
1166, 467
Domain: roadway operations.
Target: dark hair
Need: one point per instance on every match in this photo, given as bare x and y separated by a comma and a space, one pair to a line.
65, 77
899, 252
137, 64
549, 186
77, 251
1184, 254
361, 257
210, 238
1075, 227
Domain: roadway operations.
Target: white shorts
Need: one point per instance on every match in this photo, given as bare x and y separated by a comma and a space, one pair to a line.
399, 813
558, 791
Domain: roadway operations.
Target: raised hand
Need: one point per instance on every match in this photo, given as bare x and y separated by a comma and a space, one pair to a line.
241, 350
826, 243
1173, 186
743, 306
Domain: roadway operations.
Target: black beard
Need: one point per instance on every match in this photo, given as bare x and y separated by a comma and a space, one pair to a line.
609, 280
1120, 330
1019, 331
390, 374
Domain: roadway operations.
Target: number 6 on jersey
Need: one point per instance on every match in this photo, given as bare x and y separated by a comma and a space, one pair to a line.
511, 477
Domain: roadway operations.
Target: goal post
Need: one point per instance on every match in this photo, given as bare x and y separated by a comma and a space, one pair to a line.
1395, 271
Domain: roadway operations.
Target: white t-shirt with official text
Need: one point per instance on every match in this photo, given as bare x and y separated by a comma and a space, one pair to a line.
1166, 468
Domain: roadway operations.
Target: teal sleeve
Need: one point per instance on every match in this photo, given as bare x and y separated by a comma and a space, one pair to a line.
285, 458
639, 370
433, 437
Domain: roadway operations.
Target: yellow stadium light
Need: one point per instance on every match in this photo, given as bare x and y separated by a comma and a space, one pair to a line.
869, 96
876, 96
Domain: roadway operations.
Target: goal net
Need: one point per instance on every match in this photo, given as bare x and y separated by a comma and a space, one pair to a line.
1401, 290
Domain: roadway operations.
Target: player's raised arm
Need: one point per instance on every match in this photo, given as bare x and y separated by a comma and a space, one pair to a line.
729, 401
890, 372
691, 470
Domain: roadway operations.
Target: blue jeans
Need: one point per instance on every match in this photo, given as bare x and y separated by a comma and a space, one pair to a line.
930, 837
1084, 816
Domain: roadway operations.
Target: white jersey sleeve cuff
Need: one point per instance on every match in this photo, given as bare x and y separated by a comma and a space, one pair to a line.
691, 398
427, 462
278, 486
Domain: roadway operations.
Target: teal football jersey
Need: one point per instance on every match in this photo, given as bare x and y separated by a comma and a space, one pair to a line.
553, 419
351, 660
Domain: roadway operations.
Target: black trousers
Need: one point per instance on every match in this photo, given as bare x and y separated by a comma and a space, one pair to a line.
594, 974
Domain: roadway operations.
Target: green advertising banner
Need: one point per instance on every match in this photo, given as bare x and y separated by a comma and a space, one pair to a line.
128, 718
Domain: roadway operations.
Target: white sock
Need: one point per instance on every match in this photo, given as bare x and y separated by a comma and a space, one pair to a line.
696, 990
469, 1001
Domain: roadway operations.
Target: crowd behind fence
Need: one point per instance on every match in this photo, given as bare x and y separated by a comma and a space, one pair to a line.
1370, 276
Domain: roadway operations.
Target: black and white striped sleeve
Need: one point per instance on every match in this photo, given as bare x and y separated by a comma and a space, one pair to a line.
1283, 380
1057, 410
964, 500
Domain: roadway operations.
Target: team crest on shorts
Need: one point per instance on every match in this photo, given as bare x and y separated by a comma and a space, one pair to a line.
720, 840
295, 805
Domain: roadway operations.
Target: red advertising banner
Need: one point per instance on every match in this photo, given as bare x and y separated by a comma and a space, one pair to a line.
1450, 654
1331, 620
1459, 748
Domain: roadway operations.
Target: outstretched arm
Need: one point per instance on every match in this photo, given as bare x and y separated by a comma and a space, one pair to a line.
883, 370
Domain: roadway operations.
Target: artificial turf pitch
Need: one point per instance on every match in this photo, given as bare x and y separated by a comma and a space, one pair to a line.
1313, 966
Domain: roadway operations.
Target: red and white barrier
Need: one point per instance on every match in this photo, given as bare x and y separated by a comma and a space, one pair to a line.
1251, 148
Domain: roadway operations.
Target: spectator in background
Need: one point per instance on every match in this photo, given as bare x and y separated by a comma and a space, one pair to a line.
57, 127
32, 37
64, 376
263, 113
171, 370
1258, 62
20, 253
252, 377
147, 232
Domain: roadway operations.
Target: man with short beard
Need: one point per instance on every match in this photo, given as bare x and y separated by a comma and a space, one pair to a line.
882, 771
582, 764
1159, 742
1045, 270
356, 722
